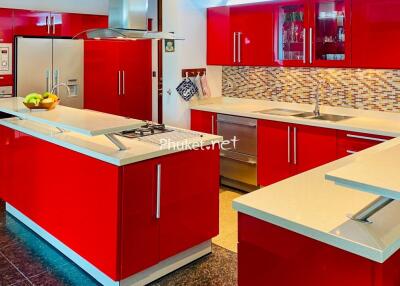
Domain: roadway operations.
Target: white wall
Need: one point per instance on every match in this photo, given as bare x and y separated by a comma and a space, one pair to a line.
98, 7
188, 19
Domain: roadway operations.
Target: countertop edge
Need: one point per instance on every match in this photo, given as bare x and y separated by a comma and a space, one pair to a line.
330, 239
363, 187
301, 121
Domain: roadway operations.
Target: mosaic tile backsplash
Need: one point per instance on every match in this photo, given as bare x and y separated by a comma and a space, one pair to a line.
377, 90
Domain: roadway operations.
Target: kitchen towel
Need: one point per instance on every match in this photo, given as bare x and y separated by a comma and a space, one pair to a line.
187, 89
199, 85
206, 88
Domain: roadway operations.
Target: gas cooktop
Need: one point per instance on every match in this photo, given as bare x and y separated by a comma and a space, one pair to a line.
149, 128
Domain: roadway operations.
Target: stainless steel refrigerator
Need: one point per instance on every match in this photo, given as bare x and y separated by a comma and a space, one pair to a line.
42, 64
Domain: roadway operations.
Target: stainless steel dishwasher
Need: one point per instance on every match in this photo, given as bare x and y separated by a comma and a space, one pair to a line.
238, 160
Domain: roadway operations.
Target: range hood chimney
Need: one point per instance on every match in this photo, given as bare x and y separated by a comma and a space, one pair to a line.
127, 19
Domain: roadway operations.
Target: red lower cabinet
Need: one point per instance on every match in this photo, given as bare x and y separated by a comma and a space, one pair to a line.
351, 142
271, 255
185, 215
203, 121
6, 141
287, 149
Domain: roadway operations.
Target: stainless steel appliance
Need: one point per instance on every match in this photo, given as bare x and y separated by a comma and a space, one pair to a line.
127, 19
5, 59
239, 159
148, 129
43, 63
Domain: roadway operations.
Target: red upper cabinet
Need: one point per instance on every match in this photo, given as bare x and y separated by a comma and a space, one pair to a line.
240, 35
376, 33
330, 32
70, 24
32, 23
313, 33
252, 28
6, 27
291, 24
219, 37
203, 121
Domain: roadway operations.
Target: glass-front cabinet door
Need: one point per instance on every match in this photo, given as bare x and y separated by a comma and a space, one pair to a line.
330, 33
290, 33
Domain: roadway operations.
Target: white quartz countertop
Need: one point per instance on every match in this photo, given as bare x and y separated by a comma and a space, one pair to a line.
377, 174
99, 147
310, 205
86, 122
371, 122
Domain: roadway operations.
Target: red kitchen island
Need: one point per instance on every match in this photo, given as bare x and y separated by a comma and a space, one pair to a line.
127, 217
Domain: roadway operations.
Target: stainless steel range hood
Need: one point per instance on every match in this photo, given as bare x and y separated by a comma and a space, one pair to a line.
127, 19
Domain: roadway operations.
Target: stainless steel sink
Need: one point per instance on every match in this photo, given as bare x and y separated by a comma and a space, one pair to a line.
280, 112
324, 117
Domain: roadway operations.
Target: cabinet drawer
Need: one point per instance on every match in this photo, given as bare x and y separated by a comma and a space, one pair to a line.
243, 129
352, 142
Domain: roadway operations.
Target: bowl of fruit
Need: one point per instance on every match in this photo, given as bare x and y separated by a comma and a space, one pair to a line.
46, 101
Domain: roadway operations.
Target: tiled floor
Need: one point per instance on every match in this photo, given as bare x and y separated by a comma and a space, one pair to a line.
25, 259
228, 230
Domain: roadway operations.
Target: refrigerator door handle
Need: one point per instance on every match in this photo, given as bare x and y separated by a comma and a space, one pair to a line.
48, 80
53, 21
56, 81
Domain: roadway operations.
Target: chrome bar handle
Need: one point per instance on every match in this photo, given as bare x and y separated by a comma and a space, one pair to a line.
289, 145
304, 45
239, 47
158, 209
123, 82
54, 24
366, 138
213, 124
48, 25
311, 45
119, 82
56, 81
295, 145
47, 80
234, 47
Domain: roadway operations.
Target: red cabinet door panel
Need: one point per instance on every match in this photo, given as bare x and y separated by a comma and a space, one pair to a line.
375, 33
352, 142
219, 37
271, 255
189, 200
274, 152
31, 23
77, 209
203, 121
255, 23
136, 67
101, 76
330, 21
139, 226
6, 28
71, 24
314, 147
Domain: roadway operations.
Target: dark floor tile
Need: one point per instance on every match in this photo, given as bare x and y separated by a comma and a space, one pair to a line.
47, 279
24, 260
216, 269
8, 273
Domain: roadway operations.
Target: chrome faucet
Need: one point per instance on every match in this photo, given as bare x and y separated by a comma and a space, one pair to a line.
53, 90
321, 83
